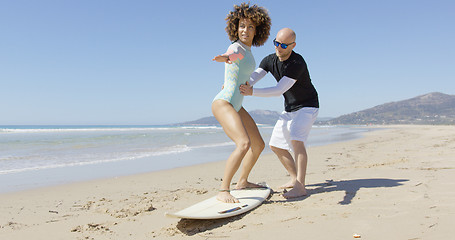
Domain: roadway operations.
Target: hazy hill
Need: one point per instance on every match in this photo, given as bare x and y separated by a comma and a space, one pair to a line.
259, 116
432, 108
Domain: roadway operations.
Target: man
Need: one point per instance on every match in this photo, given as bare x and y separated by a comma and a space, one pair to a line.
301, 107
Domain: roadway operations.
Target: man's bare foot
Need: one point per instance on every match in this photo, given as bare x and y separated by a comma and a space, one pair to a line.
298, 191
289, 184
247, 185
226, 197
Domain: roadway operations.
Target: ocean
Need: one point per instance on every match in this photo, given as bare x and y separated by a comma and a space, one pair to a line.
37, 156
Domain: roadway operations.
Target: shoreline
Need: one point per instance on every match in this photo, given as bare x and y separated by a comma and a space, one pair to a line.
395, 181
177, 154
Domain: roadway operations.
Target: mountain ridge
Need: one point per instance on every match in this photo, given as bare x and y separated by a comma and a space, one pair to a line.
431, 108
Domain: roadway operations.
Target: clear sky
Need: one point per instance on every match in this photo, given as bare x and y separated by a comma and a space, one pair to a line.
149, 62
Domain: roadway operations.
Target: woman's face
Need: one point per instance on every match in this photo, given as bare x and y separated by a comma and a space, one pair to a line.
247, 30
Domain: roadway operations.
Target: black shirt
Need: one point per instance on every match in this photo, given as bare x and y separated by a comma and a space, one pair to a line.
302, 93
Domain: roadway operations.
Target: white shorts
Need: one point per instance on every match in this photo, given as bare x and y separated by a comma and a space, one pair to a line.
293, 126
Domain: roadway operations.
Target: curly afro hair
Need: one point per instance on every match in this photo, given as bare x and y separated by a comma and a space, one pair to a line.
258, 15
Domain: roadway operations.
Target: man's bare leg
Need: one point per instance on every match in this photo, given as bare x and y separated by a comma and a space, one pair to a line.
288, 163
301, 161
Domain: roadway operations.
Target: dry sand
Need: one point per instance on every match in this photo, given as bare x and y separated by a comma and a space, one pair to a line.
396, 183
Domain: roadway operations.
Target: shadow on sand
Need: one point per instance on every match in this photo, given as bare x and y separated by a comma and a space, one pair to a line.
350, 187
191, 227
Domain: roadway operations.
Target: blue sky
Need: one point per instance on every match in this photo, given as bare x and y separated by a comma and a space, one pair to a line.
149, 62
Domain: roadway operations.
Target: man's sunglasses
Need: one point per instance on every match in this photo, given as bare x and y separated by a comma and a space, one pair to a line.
283, 45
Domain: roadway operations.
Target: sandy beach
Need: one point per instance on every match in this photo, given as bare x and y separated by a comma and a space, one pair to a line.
394, 183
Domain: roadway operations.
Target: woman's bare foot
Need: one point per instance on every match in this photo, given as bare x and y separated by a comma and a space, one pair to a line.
289, 184
297, 191
226, 197
247, 185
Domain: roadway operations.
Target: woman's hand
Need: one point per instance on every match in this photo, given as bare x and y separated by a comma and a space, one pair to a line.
222, 58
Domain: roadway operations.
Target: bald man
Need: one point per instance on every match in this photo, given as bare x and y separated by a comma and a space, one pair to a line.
301, 107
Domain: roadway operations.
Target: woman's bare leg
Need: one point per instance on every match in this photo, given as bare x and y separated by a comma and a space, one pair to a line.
251, 157
232, 125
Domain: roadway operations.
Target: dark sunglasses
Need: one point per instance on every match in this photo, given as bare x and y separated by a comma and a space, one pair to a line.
283, 45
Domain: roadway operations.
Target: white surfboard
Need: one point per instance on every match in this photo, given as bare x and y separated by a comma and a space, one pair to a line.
214, 209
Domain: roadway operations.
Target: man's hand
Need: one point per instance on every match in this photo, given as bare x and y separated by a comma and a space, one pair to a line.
246, 89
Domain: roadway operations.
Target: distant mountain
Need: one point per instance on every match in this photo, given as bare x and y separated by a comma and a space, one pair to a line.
259, 116
432, 108
265, 116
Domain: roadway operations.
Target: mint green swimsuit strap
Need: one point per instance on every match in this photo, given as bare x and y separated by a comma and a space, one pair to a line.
237, 73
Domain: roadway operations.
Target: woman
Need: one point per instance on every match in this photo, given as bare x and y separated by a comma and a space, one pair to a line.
246, 26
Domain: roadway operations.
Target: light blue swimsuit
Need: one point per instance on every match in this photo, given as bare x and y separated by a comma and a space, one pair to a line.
237, 73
